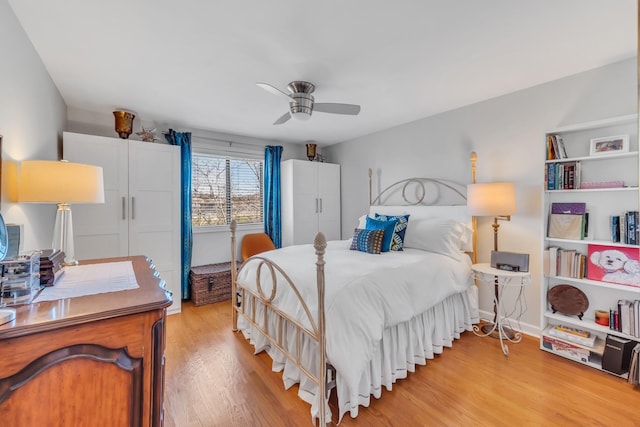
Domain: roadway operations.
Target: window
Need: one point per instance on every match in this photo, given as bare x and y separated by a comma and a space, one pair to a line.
225, 188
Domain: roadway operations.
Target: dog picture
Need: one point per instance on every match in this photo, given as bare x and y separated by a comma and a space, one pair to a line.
614, 265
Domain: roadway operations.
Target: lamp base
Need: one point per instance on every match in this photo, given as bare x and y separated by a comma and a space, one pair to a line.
7, 315
490, 329
63, 234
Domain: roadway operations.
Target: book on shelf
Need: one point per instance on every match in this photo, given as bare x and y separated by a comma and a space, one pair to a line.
566, 226
626, 317
563, 175
636, 318
574, 335
630, 224
634, 366
625, 228
555, 147
561, 148
551, 154
570, 350
553, 260
564, 262
614, 224
568, 208
617, 354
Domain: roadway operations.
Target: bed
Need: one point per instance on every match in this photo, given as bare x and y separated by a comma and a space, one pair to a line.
356, 321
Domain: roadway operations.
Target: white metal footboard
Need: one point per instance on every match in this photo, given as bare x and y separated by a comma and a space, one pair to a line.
243, 305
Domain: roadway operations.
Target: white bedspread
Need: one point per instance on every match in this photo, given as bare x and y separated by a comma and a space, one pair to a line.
364, 295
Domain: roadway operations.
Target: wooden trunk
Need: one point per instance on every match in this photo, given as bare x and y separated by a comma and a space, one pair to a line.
210, 283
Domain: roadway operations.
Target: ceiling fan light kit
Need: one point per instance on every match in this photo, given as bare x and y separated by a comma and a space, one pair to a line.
302, 103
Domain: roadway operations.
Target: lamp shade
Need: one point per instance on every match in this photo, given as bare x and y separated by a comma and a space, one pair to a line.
46, 181
491, 199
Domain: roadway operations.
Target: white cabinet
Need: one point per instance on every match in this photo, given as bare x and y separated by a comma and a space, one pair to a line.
310, 201
607, 184
141, 213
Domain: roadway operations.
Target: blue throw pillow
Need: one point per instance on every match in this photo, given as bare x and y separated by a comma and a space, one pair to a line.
369, 241
387, 226
397, 241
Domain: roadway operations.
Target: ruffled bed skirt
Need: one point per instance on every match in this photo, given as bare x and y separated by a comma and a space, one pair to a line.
402, 347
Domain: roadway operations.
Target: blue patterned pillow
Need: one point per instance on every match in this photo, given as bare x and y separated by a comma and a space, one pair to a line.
397, 241
387, 226
367, 240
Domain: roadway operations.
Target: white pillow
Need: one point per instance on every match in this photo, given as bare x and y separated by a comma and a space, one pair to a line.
440, 235
458, 213
466, 240
362, 222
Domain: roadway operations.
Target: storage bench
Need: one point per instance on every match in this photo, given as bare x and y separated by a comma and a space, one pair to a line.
210, 283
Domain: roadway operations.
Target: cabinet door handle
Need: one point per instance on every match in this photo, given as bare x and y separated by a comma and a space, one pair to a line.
133, 207
316, 205
124, 209
320, 205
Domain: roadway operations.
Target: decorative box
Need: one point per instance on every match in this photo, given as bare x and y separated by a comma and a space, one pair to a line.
210, 283
20, 279
51, 266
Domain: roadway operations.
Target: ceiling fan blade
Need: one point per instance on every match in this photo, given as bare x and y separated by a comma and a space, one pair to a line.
285, 117
336, 108
274, 90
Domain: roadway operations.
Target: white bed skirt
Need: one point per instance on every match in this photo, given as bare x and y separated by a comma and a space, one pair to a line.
402, 347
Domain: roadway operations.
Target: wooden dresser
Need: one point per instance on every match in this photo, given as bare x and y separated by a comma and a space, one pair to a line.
96, 360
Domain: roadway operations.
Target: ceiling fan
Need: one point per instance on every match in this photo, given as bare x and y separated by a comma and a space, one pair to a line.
301, 102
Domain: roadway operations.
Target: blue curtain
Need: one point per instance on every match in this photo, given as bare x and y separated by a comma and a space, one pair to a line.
272, 221
183, 139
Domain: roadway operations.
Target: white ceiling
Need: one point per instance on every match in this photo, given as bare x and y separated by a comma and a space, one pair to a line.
194, 63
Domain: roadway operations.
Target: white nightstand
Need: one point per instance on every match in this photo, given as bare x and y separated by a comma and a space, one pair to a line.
501, 279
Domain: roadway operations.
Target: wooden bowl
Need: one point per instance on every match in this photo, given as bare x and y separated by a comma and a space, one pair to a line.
568, 300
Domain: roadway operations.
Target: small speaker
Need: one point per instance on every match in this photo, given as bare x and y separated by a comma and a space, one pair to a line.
510, 261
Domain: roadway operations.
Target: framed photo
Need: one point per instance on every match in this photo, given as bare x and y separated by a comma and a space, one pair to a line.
613, 264
609, 145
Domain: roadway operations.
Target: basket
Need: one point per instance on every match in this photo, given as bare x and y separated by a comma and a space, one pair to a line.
210, 283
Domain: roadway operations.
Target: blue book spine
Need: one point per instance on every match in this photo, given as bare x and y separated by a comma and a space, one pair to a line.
631, 228
551, 176
615, 228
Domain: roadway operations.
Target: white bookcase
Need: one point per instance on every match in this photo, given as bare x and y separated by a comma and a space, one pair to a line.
601, 204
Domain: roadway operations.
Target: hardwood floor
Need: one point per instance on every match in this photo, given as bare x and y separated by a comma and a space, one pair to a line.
214, 379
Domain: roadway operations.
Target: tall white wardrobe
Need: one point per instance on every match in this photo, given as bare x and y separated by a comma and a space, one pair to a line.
310, 201
141, 213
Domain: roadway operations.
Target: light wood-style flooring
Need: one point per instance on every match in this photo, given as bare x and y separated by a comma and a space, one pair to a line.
214, 379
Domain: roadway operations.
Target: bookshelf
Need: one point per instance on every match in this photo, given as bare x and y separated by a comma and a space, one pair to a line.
611, 182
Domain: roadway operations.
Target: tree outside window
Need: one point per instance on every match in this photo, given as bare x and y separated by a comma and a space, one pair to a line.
225, 188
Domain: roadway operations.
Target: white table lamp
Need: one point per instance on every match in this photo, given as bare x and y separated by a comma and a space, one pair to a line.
496, 199
64, 183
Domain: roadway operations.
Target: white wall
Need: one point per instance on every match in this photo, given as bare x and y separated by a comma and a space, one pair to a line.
32, 117
508, 134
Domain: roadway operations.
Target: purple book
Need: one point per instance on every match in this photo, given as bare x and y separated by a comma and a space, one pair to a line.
569, 208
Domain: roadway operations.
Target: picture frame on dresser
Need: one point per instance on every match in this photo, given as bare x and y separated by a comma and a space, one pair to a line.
609, 145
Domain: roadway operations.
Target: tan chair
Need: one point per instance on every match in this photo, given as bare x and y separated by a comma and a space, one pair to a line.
255, 243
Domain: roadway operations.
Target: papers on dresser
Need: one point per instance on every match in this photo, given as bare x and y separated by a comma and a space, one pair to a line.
91, 279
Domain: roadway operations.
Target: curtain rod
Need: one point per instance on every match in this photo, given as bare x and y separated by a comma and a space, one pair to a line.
227, 142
